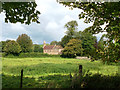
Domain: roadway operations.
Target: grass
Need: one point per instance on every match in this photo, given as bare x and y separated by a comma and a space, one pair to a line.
39, 72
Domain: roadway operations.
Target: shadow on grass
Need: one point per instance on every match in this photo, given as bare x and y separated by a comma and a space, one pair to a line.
60, 81
96, 81
50, 81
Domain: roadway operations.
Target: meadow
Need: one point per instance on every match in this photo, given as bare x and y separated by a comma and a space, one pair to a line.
45, 72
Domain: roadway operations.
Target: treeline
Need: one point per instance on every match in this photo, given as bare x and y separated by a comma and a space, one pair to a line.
23, 44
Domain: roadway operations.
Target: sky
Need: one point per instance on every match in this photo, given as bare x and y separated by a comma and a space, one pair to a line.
52, 19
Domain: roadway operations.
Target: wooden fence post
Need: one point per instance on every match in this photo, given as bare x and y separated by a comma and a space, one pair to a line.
80, 69
21, 78
70, 76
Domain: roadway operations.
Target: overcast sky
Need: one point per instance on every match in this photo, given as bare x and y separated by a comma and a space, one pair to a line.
52, 19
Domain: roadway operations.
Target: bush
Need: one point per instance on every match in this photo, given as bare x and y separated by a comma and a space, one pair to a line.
12, 47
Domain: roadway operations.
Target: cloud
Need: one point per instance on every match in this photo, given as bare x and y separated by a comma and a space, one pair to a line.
66, 19
18, 28
52, 19
12, 30
52, 25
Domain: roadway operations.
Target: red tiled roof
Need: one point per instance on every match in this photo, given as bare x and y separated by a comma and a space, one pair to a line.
48, 47
53, 46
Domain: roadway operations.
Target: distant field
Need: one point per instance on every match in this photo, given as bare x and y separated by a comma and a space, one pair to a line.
38, 72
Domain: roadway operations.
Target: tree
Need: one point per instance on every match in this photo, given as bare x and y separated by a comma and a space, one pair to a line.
23, 12
102, 13
12, 47
107, 51
55, 43
101, 43
71, 28
25, 42
65, 40
2, 44
73, 49
37, 48
88, 41
71, 31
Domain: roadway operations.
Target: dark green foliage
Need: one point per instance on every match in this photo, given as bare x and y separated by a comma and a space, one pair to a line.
88, 41
89, 44
38, 48
73, 49
12, 47
25, 42
23, 12
65, 40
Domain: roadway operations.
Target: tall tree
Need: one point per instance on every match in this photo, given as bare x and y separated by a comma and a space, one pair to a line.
88, 42
70, 33
65, 40
71, 28
25, 42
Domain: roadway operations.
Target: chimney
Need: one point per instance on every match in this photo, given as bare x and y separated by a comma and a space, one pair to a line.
44, 44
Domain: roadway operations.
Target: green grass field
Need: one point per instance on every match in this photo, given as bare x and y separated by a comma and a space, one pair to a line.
41, 72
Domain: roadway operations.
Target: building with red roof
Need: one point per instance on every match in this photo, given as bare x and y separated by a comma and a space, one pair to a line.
52, 49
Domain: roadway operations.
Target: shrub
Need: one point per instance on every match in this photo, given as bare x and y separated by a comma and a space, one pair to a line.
12, 47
